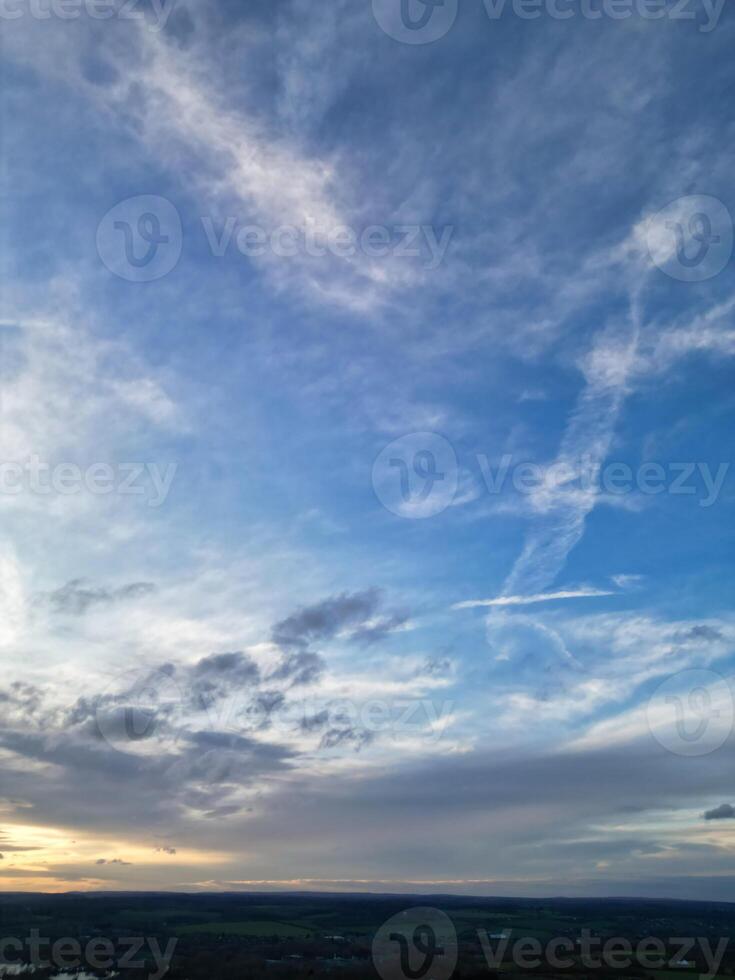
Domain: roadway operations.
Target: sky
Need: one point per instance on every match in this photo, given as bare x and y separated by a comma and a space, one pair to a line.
366, 425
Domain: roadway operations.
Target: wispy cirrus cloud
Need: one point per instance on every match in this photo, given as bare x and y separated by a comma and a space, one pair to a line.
530, 600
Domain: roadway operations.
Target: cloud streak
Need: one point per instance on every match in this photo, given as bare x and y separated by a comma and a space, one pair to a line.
530, 600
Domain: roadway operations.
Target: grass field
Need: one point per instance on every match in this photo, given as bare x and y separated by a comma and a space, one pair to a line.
259, 929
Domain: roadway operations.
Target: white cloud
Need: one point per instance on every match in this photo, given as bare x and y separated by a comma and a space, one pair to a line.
628, 581
529, 600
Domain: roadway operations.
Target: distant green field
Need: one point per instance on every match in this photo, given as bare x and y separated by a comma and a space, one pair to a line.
133, 917
673, 974
539, 924
264, 929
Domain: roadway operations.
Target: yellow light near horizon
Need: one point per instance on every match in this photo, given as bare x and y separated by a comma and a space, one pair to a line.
58, 859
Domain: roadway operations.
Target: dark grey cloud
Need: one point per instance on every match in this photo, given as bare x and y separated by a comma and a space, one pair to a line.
235, 667
154, 694
234, 742
535, 807
355, 614
315, 723
77, 597
299, 668
171, 693
217, 676
22, 702
337, 730
436, 667
356, 737
724, 812
701, 633
264, 706
202, 771
326, 619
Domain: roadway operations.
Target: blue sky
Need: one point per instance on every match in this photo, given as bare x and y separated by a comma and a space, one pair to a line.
467, 682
